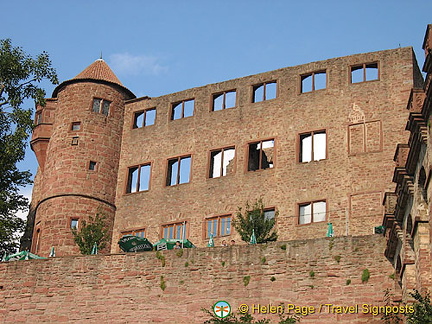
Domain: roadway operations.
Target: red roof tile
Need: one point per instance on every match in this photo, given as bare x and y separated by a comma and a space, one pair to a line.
99, 70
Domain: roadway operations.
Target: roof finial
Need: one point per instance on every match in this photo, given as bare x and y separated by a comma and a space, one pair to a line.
101, 57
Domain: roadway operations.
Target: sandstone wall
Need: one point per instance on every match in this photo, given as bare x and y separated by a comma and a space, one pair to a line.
127, 288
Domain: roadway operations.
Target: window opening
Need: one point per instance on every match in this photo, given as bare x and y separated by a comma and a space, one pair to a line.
174, 231
364, 72
269, 213
264, 91
101, 106
218, 226
74, 140
139, 232
313, 146
312, 212
74, 223
179, 170
224, 100
138, 178
221, 162
144, 118
38, 119
92, 165
183, 109
76, 126
313, 81
261, 155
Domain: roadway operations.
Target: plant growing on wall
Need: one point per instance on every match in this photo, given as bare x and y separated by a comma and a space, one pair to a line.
422, 309
91, 232
253, 218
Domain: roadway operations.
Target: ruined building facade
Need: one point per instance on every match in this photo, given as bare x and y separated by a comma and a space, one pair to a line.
315, 141
408, 208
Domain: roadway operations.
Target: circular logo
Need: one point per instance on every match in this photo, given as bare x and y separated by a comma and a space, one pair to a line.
221, 309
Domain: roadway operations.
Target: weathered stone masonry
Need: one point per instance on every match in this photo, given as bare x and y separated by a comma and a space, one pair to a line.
126, 288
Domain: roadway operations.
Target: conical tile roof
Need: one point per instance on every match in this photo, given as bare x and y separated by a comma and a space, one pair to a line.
99, 70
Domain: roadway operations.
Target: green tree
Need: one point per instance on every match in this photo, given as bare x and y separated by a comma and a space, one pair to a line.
422, 309
20, 76
89, 233
253, 218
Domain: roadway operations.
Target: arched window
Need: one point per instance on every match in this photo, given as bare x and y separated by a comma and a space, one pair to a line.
422, 183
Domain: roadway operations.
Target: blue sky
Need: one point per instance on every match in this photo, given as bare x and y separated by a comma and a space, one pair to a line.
160, 47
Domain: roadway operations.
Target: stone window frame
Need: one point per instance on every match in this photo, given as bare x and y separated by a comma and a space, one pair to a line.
248, 144
267, 209
265, 84
364, 67
299, 205
365, 151
144, 112
101, 106
92, 166
304, 76
36, 240
175, 225
128, 188
224, 99
221, 149
73, 220
74, 124
38, 117
300, 149
139, 232
168, 172
218, 218
182, 102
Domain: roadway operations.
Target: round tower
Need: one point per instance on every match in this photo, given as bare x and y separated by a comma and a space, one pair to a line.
77, 141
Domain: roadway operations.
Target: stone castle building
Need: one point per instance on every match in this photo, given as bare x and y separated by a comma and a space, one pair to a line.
320, 143
408, 207
315, 141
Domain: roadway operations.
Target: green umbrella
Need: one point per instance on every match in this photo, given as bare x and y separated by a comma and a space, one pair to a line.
94, 249
132, 243
253, 239
211, 241
23, 255
329, 230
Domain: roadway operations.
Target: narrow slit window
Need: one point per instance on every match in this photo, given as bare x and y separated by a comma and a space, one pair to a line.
139, 178
221, 162
38, 118
182, 109
224, 100
178, 170
261, 155
92, 166
75, 140
264, 91
74, 223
